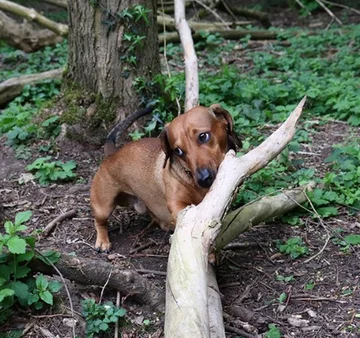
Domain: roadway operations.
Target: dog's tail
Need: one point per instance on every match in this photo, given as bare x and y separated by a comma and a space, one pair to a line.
110, 143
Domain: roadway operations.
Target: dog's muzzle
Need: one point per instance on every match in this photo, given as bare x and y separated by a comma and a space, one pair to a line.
205, 177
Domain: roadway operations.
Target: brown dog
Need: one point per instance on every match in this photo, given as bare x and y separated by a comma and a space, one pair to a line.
163, 175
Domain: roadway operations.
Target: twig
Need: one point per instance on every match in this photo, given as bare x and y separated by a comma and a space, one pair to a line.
28, 327
154, 272
239, 332
303, 6
229, 10
116, 334
106, 283
65, 286
213, 13
333, 16
142, 247
58, 219
341, 6
324, 227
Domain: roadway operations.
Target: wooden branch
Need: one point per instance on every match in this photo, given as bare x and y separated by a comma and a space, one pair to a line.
230, 35
199, 26
58, 219
58, 3
13, 87
196, 229
23, 36
191, 69
244, 11
242, 219
96, 272
33, 16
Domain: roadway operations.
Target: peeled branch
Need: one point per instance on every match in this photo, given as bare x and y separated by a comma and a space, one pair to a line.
196, 230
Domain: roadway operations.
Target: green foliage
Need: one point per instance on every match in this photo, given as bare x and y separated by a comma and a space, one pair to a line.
100, 317
17, 285
285, 279
294, 247
273, 332
16, 120
47, 172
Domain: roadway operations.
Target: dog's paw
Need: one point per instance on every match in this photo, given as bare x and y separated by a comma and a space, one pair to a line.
103, 246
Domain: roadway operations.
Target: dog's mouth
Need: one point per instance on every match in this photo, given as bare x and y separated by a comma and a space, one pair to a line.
205, 177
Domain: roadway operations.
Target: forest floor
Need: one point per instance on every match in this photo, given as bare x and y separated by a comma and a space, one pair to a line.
322, 294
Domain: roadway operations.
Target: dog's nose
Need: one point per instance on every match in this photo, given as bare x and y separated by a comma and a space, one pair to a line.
205, 177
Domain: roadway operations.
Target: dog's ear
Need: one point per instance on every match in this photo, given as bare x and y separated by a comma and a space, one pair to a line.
165, 145
233, 139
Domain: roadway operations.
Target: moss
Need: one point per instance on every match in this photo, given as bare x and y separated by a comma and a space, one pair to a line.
76, 102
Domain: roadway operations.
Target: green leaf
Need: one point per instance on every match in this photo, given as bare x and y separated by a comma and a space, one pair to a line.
103, 326
22, 217
47, 297
20, 289
54, 286
327, 211
50, 255
352, 239
6, 293
16, 245
21, 272
32, 298
25, 257
41, 282
273, 332
9, 227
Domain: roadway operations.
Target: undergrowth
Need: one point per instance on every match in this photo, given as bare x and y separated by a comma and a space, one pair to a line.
259, 89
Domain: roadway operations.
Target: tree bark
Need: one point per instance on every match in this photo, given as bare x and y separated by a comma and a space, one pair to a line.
98, 51
90, 272
191, 69
23, 36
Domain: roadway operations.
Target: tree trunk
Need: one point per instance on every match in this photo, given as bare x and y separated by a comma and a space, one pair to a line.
104, 57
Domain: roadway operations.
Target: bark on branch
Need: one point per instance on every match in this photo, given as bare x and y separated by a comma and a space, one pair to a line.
58, 3
191, 69
13, 87
196, 229
242, 219
23, 36
89, 272
33, 16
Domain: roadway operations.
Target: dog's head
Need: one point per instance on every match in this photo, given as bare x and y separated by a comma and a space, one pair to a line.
198, 140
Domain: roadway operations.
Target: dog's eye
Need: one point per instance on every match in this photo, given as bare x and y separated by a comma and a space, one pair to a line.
179, 152
204, 137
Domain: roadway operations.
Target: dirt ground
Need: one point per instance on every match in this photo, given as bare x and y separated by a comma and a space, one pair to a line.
246, 276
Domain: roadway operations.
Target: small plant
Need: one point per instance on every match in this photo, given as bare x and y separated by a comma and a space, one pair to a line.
273, 332
17, 286
47, 172
294, 247
99, 317
285, 279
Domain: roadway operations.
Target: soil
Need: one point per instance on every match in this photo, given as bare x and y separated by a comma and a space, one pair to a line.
322, 300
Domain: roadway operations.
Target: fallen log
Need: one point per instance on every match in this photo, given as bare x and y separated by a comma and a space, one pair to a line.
13, 87
58, 3
33, 16
187, 298
23, 36
169, 23
244, 11
229, 35
96, 272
